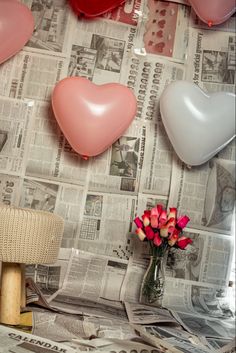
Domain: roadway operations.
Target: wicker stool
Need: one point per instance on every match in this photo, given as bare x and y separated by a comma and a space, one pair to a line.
26, 237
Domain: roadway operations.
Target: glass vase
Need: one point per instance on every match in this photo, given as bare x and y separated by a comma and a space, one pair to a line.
152, 288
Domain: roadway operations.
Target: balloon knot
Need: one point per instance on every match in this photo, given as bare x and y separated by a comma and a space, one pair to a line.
85, 157
210, 24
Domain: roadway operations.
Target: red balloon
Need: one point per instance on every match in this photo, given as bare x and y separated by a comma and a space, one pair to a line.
92, 8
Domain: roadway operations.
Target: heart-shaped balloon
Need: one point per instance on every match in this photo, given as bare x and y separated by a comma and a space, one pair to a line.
213, 12
92, 117
16, 27
199, 125
91, 8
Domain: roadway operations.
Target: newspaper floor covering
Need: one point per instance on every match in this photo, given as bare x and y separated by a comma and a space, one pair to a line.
88, 300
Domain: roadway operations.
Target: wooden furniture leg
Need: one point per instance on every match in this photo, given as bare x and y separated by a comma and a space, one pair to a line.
10, 293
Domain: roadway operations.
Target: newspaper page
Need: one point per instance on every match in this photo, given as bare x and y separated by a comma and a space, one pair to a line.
49, 278
164, 338
214, 342
59, 327
120, 346
30, 75
60, 162
205, 193
147, 77
52, 26
145, 314
106, 225
163, 30
211, 60
16, 118
14, 341
66, 200
9, 186
118, 169
94, 278
229, 348
101, 52
111, 328
208, 327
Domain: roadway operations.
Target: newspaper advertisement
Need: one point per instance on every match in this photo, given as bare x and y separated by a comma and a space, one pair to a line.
211, 60
163, 30
14, 341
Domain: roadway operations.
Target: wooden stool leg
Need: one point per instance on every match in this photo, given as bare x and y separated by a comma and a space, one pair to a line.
23, 290
10, 293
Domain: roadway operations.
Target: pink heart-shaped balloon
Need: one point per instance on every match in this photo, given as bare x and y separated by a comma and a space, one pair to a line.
92, 117
16, 27
213, 12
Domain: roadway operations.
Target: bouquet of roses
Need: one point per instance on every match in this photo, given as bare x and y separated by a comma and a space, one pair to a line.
162, 229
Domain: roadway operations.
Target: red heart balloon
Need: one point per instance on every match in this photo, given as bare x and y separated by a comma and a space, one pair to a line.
91, 8
92, 117
16, 27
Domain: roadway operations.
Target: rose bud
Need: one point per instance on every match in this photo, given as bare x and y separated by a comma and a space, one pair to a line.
154, 217
146, 219
164, 231
147, 213
138, 222
140, 234
171, 225
157, 240
183, 221
149, 233
172, 213
159, 209
183, 242
163, 217
172, 239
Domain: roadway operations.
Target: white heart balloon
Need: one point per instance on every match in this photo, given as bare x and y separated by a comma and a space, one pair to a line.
198, 124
